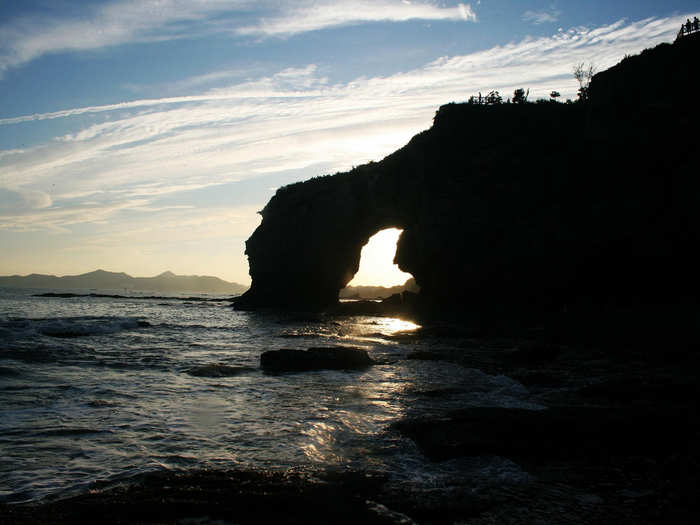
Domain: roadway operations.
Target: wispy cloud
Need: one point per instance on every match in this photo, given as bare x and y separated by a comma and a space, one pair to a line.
300, 19
293, 120
127, 21
541, 17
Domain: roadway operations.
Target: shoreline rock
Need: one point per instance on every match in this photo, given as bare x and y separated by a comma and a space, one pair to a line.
591, 433
322, 358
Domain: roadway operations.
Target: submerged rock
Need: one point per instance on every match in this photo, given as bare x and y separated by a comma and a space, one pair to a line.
535, 353
237, 496
217, 370
331, 358
424, 355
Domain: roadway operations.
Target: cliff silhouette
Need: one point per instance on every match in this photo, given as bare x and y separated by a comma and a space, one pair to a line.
537, 206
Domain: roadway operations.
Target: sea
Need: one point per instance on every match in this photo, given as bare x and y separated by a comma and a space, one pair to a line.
98, 390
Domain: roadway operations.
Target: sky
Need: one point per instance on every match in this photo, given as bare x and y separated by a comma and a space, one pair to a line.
145, 135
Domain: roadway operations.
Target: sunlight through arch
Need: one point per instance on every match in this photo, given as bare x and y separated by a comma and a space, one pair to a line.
377, 266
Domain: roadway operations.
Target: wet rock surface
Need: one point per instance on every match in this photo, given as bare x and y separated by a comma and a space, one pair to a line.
331, 358
616, 440
558, 432
217, 497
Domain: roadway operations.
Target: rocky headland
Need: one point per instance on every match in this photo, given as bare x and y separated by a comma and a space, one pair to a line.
532, 206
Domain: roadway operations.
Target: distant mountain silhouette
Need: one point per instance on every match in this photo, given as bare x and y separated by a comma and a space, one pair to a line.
103, 280
377, 292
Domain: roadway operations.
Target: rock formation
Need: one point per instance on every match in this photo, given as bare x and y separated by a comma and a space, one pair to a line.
324, 358
534, 205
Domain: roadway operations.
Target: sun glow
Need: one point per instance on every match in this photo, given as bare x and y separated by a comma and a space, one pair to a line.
376, 261
393, 325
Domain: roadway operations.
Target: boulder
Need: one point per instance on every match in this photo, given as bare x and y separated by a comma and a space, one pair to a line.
331, 358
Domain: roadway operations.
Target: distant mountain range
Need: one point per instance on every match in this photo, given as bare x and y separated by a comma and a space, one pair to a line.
378, 292
102, 280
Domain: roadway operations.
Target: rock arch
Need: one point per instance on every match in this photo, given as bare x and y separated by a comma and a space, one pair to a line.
309, 243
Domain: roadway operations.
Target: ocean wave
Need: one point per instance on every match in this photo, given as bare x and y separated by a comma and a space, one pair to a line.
6, 371
101, 403
193, 327
218, 370
190, 299
38, 354
69, 432
68, 327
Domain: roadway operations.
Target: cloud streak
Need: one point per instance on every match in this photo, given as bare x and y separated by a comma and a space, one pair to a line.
109, 24
541, 17
350, 12
129, 21
293, 120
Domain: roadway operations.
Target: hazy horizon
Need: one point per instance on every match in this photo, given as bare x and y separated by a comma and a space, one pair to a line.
113, 271
389, 275
145, 136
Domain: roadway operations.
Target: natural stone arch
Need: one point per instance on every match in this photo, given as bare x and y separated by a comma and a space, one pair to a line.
309, 244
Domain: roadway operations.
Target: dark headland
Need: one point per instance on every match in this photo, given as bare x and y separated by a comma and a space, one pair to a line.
554, 243
527, 206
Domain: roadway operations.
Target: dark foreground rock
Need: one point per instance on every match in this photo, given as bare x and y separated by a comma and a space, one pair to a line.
592, 433
223, 497
332, 358
632, 464
618, 443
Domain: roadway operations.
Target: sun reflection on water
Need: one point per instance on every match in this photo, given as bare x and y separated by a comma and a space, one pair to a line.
392, 325
361, 409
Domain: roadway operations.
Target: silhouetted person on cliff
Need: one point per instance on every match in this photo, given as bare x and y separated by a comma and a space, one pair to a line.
688, 26
696, 24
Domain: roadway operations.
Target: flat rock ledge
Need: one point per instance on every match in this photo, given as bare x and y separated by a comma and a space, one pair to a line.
323, 358
593, 433
223, 497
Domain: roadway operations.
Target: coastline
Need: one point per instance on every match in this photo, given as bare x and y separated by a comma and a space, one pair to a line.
617, 443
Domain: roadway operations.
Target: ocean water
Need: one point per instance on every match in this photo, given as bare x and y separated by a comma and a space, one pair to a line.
99, 390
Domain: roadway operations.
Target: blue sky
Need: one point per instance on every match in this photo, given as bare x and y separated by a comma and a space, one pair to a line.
141, 136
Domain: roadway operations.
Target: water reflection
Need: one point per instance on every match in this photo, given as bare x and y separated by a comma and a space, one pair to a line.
391, 325
361, 407
123, 403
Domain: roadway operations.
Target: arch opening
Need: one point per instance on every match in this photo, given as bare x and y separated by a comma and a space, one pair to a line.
378, 277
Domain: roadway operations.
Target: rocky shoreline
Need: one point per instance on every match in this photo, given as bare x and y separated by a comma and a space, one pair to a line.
616, 443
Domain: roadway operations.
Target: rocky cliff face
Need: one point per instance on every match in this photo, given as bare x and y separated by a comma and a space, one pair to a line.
531, 205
